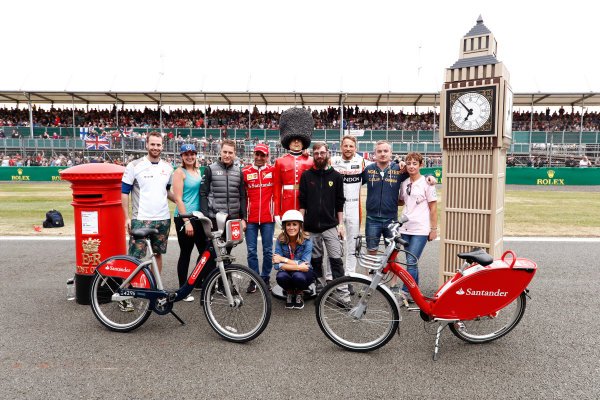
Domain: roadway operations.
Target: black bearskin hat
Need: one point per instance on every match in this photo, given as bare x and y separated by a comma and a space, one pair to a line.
296, 123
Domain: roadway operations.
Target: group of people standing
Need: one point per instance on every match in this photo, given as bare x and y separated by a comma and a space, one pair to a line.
315, 200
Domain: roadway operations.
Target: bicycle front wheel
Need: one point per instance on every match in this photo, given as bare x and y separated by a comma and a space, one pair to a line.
118, 316
491, 327
334, 309
250, 313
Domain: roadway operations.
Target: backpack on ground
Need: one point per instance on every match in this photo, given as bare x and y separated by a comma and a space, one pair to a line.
54, 219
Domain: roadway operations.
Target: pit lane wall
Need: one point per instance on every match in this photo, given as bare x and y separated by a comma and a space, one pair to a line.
514, 175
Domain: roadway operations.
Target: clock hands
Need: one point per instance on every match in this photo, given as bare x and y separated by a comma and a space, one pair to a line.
469, 110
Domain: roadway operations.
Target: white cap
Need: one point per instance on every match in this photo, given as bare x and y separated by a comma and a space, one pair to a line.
292, 215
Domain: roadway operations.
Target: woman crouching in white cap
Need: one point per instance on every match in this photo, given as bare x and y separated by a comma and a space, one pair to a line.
293, 250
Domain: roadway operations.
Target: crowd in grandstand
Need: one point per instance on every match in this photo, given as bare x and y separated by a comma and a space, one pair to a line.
69, 159
354, 118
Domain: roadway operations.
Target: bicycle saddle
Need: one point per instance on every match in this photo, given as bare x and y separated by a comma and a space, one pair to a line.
477, 255
143, 232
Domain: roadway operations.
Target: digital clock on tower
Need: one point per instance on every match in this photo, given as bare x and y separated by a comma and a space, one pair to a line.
471, 111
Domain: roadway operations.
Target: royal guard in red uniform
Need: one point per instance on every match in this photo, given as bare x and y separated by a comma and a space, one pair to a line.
296, 127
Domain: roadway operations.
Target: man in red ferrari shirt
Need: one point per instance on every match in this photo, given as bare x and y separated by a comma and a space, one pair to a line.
258, 179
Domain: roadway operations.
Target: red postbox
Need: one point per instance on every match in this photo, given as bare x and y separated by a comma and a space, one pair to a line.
99, 219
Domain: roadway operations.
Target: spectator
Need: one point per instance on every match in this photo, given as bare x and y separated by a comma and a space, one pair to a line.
258, 180
293, 252
222, 189
321, 200
539, 162
383, 179
150, 178
351, 166
510, 162
584, 163
420, 207
570, 162
186, 191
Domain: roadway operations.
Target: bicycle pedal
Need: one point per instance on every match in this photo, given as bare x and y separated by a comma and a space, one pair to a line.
171, 296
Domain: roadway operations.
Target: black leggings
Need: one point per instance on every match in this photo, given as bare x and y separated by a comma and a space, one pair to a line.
186, 245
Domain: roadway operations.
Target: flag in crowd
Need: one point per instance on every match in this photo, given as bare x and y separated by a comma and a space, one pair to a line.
97, 142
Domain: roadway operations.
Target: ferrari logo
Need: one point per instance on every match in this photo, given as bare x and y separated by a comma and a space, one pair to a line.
330, 183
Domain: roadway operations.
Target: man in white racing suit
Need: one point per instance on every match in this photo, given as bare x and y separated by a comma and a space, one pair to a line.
351, 166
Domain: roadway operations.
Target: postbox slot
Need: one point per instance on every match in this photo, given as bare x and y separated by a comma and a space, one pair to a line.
87, 196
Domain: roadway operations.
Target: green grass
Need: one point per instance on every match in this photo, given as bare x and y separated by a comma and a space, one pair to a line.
527, 213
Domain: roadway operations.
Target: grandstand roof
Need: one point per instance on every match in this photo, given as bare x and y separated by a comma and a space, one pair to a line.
281, 99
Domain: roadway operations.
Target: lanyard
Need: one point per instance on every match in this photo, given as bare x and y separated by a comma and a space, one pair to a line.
291, 253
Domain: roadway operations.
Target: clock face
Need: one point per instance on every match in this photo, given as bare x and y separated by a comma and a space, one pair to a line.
471, 112
508, 98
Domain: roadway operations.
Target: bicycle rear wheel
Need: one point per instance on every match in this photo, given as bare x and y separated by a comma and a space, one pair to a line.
369, 332
118, 316
491, 327
251, 313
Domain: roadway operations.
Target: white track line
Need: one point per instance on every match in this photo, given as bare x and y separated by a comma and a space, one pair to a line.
507, 239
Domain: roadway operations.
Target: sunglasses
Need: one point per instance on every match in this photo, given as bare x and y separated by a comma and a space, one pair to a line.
408, 188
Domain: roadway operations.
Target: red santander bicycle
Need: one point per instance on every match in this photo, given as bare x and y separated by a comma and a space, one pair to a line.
484, 300
126, 290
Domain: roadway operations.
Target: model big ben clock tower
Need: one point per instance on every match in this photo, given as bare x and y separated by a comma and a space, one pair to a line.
475, 130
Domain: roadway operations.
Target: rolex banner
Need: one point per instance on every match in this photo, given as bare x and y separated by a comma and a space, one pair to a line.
552, 176
514, 176
540, 176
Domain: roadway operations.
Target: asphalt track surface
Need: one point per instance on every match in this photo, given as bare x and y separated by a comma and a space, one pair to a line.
54, 348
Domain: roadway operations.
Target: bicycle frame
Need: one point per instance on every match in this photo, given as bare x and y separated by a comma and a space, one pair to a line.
474, 291
162, 300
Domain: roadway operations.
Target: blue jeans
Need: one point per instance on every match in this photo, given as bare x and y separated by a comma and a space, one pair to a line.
416, 244
373, 232
266, 233
295, 280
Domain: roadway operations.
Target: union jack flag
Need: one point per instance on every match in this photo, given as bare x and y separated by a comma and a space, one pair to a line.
97, 142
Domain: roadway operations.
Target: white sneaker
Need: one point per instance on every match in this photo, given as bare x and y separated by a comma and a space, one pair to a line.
126, 305
189, 298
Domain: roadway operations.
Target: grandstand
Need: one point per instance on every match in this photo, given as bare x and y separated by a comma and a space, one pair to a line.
552, 136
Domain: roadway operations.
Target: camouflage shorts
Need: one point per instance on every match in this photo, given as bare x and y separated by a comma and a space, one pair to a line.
137, 248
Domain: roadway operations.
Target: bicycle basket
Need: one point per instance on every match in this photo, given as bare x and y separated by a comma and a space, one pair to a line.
370, 252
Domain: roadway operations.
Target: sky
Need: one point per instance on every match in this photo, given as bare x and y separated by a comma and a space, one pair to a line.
283, 46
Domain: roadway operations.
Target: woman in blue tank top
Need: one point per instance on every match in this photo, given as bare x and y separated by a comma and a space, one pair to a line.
186, 188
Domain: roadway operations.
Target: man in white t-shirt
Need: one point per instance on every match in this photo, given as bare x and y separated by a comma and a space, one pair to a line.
148, 180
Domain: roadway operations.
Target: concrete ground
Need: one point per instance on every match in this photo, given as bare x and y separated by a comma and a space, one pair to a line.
54, 348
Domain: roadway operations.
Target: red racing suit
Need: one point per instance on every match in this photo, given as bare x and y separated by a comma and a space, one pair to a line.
286, 185
259, 193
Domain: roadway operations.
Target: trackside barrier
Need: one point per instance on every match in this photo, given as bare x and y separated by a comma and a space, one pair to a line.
514, 175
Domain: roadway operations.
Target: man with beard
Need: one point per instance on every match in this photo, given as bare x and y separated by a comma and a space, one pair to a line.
148, 179
322, 205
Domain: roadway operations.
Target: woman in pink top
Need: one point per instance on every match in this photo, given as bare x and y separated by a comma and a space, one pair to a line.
420, 206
